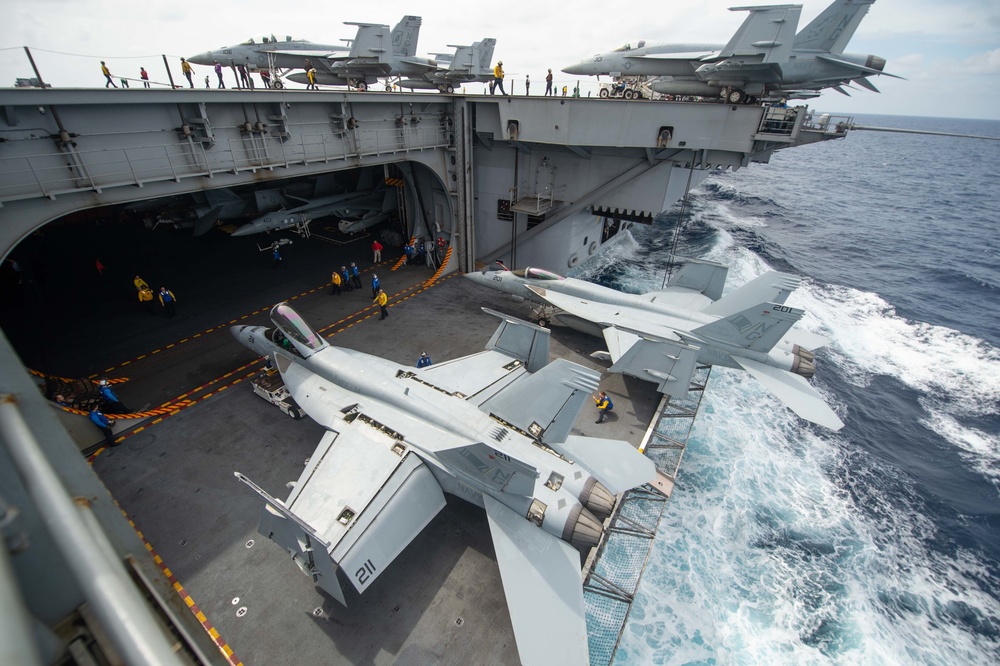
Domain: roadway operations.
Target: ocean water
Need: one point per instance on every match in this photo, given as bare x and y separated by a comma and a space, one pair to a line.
785, 543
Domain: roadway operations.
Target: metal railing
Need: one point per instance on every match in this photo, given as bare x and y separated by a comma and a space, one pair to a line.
74, 169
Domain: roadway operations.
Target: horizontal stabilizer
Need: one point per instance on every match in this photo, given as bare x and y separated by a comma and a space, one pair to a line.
519, 339
758, 328
547, 402
771, 287
544, 588
667, 363
854, 65
492, 467
616, 464
794, 391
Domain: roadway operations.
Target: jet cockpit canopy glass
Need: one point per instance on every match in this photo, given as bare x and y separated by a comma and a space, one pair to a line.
628, 47
539, 274
296, 329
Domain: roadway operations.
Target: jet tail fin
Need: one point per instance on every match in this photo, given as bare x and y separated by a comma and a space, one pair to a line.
771, 287
404, 36
481, 57
706, 277
519, 339
757, 328
767, 34
834, 27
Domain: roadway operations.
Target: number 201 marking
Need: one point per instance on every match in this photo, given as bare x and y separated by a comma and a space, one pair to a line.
781, 308
365, 573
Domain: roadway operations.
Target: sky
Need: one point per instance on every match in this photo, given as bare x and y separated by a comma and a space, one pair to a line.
949, 53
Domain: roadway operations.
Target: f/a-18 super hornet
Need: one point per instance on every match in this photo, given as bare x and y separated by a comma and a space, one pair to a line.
661, 336
492, 428
469, 64
269, 54
376, 52
765, 58
356, 210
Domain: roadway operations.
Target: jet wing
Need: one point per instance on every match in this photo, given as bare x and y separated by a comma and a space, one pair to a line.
361, 499
794, 391
852, 65
544, 589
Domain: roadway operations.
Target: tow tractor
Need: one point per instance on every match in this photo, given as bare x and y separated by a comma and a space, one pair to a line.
629, 87
269, 385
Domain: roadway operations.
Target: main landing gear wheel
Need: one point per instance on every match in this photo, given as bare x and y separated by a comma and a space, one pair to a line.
604, 93
278, 84
736, 96
449, 89
543, 322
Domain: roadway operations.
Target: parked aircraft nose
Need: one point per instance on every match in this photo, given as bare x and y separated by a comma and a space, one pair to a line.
583, 67
206, 58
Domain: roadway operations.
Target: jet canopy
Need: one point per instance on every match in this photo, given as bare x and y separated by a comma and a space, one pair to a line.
628, 47
538, 274
298, 332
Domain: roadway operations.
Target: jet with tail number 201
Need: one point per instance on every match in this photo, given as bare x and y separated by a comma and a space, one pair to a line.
492, 428
661, 336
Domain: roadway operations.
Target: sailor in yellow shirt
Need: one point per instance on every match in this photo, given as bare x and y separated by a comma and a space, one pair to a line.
498, 78
139, 283
382, 299
188, 71
107, 75
604, 405
335, 282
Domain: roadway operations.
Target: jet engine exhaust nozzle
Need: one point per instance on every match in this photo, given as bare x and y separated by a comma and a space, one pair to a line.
583, 530
598, 499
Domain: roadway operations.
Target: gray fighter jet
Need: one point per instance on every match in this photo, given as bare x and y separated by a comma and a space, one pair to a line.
269, 54
376, 52
492, 428
765, 58
351, 205
469, 64
661, 336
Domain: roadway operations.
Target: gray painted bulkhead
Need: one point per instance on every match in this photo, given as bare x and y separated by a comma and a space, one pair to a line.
68, 150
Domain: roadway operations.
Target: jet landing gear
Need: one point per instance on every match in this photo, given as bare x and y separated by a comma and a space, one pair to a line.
446, 88
735, 96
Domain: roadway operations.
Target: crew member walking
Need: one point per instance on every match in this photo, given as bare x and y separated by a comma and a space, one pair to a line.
548, 84
355, 275
498, 78
527, 85
168, 302
382, 299
346, 274
335, 284
218, 73
107, 75
375, 285
144, 75
188, 71
376, 251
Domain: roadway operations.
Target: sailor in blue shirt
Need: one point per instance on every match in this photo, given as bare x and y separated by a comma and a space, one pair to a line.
424, 360
102, 422
344, 273
111, 401
355, 275
375, 285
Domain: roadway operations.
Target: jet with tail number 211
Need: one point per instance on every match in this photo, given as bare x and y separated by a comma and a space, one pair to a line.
661, 336
492, 428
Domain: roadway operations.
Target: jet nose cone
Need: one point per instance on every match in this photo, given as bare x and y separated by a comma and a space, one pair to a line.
237, 332
246, 230
203, 58
579, 68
